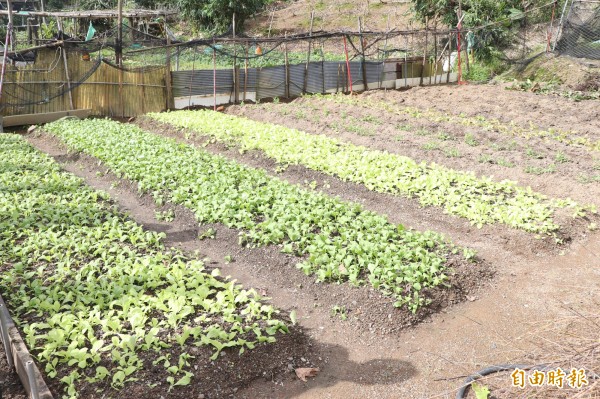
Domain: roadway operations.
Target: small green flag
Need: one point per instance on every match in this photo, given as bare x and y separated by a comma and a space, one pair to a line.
91, 33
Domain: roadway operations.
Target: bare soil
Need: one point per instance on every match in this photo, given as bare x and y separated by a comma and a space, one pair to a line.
10, 385
294, 16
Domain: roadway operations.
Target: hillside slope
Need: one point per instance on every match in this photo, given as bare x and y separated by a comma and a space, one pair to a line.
294, 16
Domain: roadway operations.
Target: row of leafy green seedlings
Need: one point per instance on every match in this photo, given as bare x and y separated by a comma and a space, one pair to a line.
349, 123
91, 290
550, 88
441, 142
480, 200
339, 241
443, 137
532, 131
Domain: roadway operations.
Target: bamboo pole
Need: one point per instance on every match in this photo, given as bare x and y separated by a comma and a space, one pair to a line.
435, 59
119, 47
43, 9
11, 24
192, 74
449, 57
67, 76
312, 16
246, 71
424, 51
348, 66
405, 71
3, 74
323, 90
236, 83
214, 77
170, 100
362, 50
435, 51
287, 68
29, 32
560, 24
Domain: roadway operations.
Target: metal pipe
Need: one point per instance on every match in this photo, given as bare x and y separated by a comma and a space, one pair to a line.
4, 58
35, 394
215, 78
560, 24
348, 64
5, 338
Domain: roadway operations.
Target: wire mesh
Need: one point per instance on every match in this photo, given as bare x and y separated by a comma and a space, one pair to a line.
581, 31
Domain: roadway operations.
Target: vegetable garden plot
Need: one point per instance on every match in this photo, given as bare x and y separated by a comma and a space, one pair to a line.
480, 200
100, 301
339, 241
532, 131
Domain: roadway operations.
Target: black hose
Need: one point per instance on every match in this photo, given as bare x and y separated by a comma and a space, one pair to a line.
462, 392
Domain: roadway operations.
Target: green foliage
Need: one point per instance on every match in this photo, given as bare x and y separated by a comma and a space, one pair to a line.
97, 4
480, 200
501, 18
211, 15
91, 289
338, 241
484, 69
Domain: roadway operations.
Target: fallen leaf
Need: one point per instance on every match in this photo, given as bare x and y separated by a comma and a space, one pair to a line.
304, 372
342, 269
293, 317
471, 298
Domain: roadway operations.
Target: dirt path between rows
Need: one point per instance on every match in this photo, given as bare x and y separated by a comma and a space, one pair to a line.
365, 356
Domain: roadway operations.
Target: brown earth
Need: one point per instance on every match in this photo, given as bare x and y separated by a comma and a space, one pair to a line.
294, 16
10, 385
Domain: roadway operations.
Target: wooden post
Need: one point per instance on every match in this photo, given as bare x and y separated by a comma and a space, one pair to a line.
312, 16
170, 101
10, 24
271, 23
119, 47
349, 80
214, 76
287, 68
384, 55
29, 32
67, 76
435, 50
449, 57
43, 9
323, 89
236, 83
132, 24
246, 71
425, 51
36, 32
405, 71
362, 50
435, 55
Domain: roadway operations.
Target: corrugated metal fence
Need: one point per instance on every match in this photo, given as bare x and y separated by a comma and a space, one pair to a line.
198, 87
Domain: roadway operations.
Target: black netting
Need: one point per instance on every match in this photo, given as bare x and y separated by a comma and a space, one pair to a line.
581, 31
